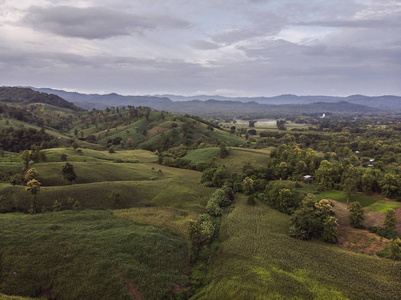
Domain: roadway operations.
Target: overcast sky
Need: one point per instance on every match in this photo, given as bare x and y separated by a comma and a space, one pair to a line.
188, 47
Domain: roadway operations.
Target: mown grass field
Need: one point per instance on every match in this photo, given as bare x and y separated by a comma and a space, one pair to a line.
89, 255
258, 260
383, 206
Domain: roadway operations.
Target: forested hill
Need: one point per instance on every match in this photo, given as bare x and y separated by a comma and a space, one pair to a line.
216, 108
26, 96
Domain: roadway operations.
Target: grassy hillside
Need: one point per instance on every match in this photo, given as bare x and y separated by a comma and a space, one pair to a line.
258, 260
89, 255
237, 157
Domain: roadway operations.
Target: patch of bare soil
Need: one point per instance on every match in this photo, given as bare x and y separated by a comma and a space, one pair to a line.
371, 217
360, 240
131, 287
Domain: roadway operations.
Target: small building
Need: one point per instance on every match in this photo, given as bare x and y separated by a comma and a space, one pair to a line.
308, 178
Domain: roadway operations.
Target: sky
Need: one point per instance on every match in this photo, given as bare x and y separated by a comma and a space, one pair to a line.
214, 47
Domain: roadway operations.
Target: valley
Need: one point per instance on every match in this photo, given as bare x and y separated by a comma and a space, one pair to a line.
128, 202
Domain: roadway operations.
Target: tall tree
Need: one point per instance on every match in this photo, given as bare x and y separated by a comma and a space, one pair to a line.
68, 173
390, 221
356, 215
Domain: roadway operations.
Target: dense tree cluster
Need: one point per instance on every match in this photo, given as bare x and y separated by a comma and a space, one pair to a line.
16, 140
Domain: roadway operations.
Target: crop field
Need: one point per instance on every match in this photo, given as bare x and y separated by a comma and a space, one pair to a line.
257, 260
89, 255
137, 184
54, 155
88, 172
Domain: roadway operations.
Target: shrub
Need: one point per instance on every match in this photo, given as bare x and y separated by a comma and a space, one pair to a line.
390, 220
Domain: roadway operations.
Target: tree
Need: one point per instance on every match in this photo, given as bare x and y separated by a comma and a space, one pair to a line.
32, 173
349, 187
248, 185
201, 232
369, 183
390, 221
395, 248
390, 185
314, 219
223, 152
356, 215
33, 186
68, 173
26, 158
330, 232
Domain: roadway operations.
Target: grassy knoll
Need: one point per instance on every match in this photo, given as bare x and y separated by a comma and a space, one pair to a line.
91, 195
54, 155
204, 154
258, 260
88, 172
237, 157
136, 184
88, 255
185, 193
383, 206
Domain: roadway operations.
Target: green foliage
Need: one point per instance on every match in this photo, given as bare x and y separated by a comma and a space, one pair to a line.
283, 197
32, 173
201, 232
356, 215
214, 176
248, 185
315, 219
391, 186
330, 232
390, 221
68, 172
223, 151
56, 206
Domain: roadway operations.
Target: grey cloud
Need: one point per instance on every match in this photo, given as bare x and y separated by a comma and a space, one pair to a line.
261, 24
95, 22
203, 45
390, 22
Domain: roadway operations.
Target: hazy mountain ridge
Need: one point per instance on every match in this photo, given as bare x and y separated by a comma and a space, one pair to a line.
166, 101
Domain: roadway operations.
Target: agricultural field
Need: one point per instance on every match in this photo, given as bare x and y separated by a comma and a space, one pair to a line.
89, 255
257, 259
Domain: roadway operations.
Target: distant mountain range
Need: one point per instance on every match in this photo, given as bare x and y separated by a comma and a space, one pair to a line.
205, 106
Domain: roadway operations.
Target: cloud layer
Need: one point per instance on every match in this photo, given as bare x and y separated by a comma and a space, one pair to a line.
239, 48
